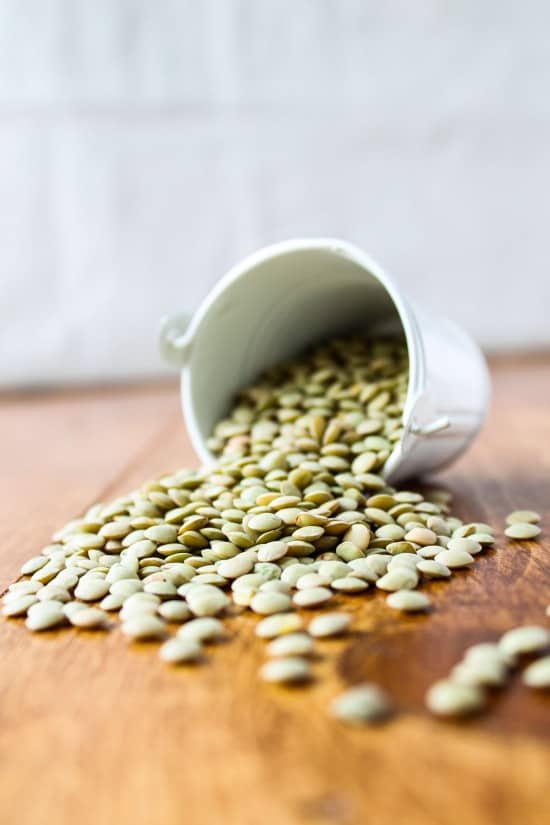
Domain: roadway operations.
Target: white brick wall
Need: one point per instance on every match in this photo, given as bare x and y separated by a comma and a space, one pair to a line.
147, 146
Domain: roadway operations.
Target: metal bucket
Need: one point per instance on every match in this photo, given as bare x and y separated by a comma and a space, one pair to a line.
292, 294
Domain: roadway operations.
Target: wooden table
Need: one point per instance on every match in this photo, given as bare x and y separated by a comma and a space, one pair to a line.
94, 730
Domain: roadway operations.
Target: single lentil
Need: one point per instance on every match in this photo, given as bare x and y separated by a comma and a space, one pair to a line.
400, 578
179, 650
481, 672
522, 640
287, 670
268, 603
349, 584
329, 624
312, 597
90, 618
454, 559
522, 531
432, 569
410, 601
204, 629
291, 644
45, 615
537, 674
361, 705
19, 605
523, 517
143, 626
206, 600
278, 625
450, 698
174, 610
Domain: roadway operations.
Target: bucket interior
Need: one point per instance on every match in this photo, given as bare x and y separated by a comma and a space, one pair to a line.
275, 308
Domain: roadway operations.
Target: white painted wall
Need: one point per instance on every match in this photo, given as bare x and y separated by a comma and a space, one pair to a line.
147, 146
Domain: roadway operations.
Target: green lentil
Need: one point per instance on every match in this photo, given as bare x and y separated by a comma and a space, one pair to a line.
449, 698
312, 597
205, 629
401, 578
291, 644
522, 531
268, 603
45, 615
523, 516
178, 650
144, 627
287, 670
329, 624
409, 601
19, 605
522, 640
361, 705
90, 618
278, 625
537, 674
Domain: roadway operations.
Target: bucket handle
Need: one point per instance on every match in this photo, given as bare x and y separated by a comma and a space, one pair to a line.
174, 340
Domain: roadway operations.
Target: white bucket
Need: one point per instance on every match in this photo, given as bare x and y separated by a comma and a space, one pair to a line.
292, 294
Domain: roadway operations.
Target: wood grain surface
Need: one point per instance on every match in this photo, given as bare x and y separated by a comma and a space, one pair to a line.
96, 730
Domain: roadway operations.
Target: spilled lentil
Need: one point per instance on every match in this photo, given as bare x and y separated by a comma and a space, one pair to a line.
294, 513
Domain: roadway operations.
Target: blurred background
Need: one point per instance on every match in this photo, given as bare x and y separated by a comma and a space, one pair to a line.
145, 147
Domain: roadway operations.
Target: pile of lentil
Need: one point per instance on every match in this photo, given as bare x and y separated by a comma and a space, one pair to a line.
294, 511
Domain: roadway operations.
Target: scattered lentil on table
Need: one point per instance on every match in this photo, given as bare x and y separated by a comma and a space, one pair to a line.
294, 513
488, 665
